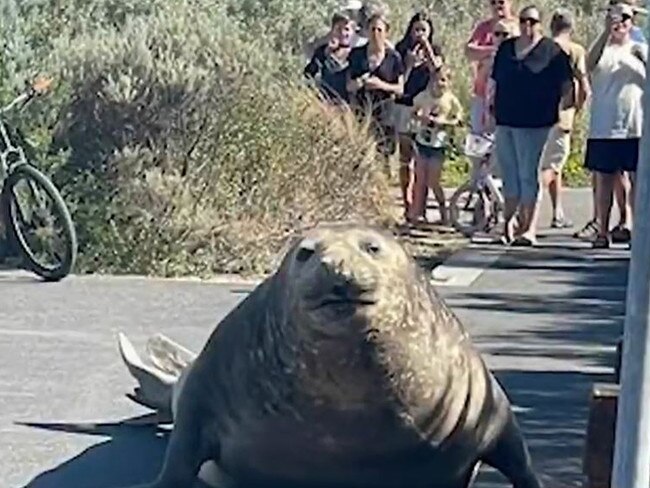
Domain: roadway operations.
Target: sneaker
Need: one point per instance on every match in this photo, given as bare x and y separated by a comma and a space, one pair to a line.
561, 223
588, 232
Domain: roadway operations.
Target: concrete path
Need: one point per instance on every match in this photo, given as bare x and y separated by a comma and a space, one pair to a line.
545, 318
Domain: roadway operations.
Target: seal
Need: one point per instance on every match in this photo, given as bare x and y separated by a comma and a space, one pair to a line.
342, 369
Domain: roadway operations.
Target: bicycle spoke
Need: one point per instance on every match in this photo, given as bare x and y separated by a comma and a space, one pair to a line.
38, 223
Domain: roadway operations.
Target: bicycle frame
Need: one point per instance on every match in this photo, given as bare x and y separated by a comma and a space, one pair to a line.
8, 146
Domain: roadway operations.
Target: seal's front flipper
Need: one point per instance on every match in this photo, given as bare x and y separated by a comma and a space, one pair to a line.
155, 386
510, 457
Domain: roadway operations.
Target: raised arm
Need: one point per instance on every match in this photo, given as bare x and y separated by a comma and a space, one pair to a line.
473, 50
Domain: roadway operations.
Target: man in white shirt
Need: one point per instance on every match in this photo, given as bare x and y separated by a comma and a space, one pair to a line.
617, 65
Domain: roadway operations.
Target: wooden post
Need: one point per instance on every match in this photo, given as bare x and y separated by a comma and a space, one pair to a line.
601, 428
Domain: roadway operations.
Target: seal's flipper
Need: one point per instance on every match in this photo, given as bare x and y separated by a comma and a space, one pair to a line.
509, 455
170, 357
155, 386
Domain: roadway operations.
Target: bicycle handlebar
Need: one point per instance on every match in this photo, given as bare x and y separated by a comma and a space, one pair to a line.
38, 87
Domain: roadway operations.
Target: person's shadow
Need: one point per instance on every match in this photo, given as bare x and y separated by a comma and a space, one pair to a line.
133, 455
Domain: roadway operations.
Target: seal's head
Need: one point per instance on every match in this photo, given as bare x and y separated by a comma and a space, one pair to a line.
343, 274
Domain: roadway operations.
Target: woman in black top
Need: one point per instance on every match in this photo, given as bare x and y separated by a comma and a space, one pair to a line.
375, 79
329, 64
421, 59
531, 76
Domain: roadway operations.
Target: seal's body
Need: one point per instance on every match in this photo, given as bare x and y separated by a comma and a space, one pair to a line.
343, 369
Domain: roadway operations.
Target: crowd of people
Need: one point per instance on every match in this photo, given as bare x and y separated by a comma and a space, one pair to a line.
528, 86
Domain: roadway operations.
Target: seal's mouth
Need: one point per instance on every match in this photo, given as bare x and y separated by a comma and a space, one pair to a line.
336, 301
345, 298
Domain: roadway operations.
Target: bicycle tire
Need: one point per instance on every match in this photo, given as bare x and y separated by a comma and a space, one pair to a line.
15, 235
455, 211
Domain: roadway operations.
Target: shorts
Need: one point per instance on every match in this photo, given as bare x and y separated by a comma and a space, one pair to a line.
518, 152
429, 155
556, 151
402, 119
611, 156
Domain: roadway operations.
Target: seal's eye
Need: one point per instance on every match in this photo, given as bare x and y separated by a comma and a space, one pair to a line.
371, 248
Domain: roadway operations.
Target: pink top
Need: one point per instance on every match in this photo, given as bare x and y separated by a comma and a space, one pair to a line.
482, 36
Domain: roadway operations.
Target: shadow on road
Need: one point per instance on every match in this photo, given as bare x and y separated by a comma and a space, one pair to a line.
133, 455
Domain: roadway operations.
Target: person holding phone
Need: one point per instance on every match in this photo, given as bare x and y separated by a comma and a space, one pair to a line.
329, 64
617, 65
375, 79
421, 60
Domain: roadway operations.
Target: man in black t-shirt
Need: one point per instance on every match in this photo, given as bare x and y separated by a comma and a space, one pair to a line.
531, 77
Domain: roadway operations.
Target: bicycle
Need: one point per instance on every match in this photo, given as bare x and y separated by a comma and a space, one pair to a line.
478, 204
17, 168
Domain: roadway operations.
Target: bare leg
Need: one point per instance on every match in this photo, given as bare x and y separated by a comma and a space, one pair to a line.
434, 173
419, 188
589, 228
510, 210
605, 191
632, 196
405, 171
621, 193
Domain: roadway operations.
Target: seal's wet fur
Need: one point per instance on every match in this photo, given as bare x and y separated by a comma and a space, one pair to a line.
344, 369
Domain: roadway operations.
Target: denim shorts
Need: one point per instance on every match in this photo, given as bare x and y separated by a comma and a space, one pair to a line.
519, 152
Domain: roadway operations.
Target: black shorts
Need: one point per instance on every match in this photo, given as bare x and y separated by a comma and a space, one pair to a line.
612, 155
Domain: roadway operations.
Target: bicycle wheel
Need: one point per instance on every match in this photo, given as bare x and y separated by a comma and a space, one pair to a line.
30, 221
467, 209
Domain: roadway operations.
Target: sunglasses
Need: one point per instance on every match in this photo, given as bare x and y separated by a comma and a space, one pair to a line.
497, 3
528, 20
621, 19
502, 34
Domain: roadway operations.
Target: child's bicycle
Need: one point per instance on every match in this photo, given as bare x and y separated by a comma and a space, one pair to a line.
478, 204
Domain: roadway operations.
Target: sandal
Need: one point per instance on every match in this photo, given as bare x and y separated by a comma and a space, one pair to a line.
600, 242
590, 230
621, 234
